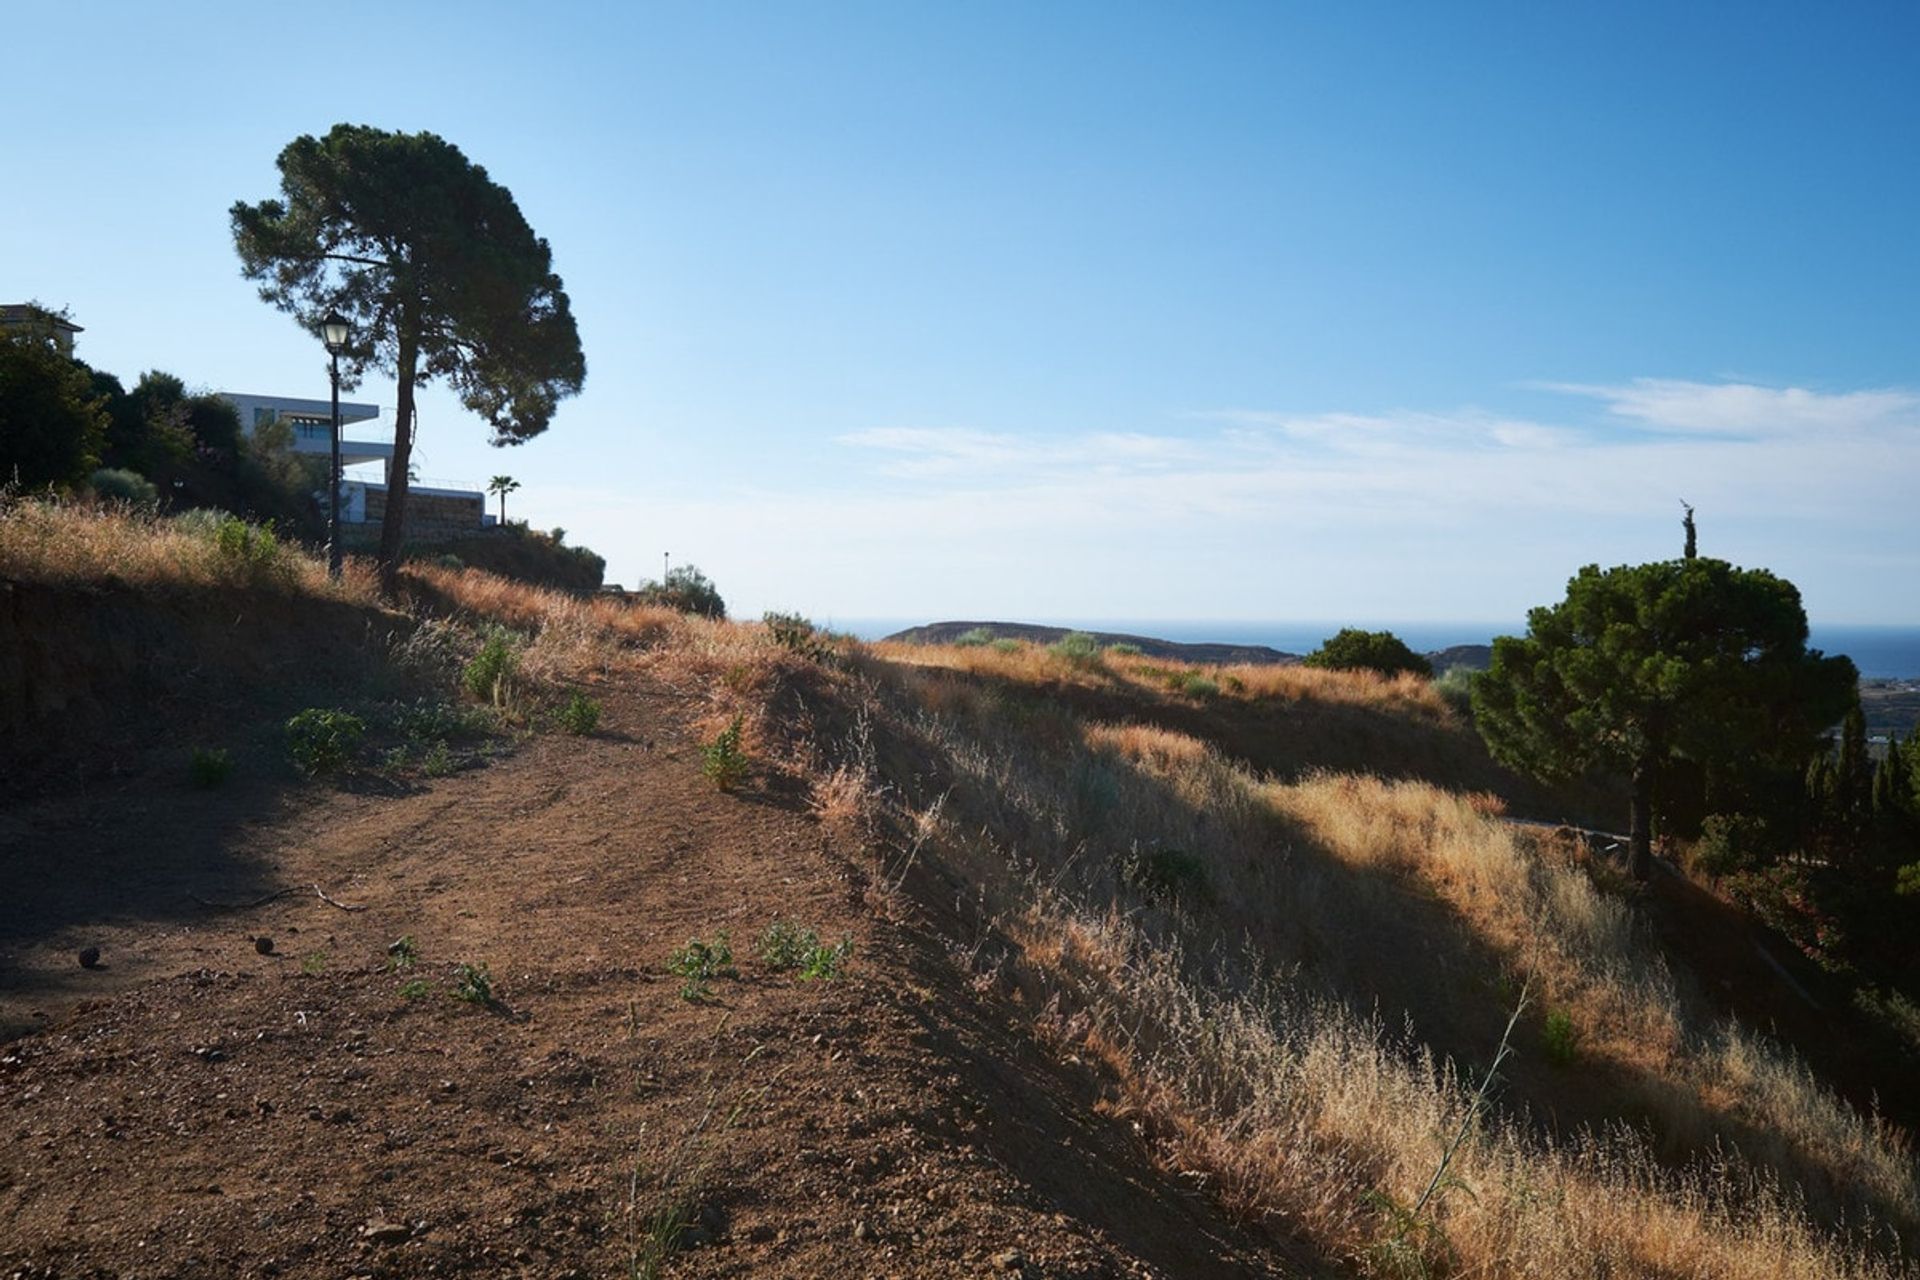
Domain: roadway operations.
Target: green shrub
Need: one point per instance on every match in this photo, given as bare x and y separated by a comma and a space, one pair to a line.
686, 589
796, 634
1163, 875
723, 760
119, 485
1195, 685
974, 637
1076, 648
698, 963
1730, 843
415, 989
1125, 649
1558, 1038
321, 740
438, 762
581, 714
1352, 649
208, 767
1007, 644
248, 551
1455, 687
490, 674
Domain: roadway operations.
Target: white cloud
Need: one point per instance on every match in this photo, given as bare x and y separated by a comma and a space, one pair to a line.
1744, 409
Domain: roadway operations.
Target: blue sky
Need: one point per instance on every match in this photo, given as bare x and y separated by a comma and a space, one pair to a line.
1088, 311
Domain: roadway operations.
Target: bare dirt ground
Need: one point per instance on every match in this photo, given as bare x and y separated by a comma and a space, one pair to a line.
195, 1108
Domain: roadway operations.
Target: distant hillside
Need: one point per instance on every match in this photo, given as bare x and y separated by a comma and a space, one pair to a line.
1476, 657
1210, 654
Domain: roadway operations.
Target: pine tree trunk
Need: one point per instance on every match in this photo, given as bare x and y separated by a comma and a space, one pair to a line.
1640, 858
393, 527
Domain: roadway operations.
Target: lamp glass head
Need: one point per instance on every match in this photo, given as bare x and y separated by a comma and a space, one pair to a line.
334, 331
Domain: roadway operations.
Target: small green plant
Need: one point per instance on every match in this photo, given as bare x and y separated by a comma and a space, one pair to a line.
1558, 1038
314, 962
698, 963
208, 767
322, 740
1076, 649
438, 762
974, 637
489, 675
580, 715
403, 953
822, 961
1006, 644
472, 983
723, 760
415, 989
1125, 649
784, 943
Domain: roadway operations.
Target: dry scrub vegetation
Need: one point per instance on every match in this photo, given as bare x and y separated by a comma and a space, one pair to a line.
1298, 983
1294, 985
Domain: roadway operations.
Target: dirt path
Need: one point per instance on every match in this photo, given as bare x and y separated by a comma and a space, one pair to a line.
195, 1108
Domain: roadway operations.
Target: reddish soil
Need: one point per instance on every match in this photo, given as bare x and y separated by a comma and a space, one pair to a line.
194, 1108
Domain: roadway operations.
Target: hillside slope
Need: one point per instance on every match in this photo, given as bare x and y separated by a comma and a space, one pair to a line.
1154, 971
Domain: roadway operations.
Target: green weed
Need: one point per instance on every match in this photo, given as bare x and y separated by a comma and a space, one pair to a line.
723, 760
489, 675
403, 953
472, 983
698, 963
1558, 1037
208, 767
321, 740
581, 714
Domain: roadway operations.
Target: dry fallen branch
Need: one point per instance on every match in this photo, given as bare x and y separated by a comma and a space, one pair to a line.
278, 893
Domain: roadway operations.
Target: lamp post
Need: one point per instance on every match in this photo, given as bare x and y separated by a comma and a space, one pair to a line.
334, 331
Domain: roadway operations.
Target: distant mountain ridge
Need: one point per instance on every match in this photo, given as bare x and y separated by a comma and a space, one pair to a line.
1206, 654
1475, 656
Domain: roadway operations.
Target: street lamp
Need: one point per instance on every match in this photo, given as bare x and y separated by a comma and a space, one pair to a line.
334, 331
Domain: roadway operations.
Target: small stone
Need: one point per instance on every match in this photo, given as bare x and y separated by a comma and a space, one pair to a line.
89, 957
862, 1231
1010, 1260
263, 944
382, 1232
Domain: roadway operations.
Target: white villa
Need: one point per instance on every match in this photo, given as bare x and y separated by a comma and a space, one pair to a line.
363, 497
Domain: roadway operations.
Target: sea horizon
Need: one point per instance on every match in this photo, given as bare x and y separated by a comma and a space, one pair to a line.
1882, 651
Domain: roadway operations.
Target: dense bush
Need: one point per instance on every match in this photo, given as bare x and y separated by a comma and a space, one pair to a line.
1076, 648
1355, 650
123, 486
321, 740
686, 589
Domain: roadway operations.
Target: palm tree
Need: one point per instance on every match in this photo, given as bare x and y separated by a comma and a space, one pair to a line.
502, 485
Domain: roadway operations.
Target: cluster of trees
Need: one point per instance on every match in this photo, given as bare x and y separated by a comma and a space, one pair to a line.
66, 427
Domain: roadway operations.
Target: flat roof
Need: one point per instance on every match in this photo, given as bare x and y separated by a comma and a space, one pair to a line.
27, 313
354, 411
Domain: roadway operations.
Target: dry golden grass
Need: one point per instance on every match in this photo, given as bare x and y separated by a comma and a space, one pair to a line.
1229, 1020
76, 544
1035, 665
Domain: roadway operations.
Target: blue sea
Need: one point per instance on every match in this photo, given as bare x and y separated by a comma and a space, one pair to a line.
1881, 652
